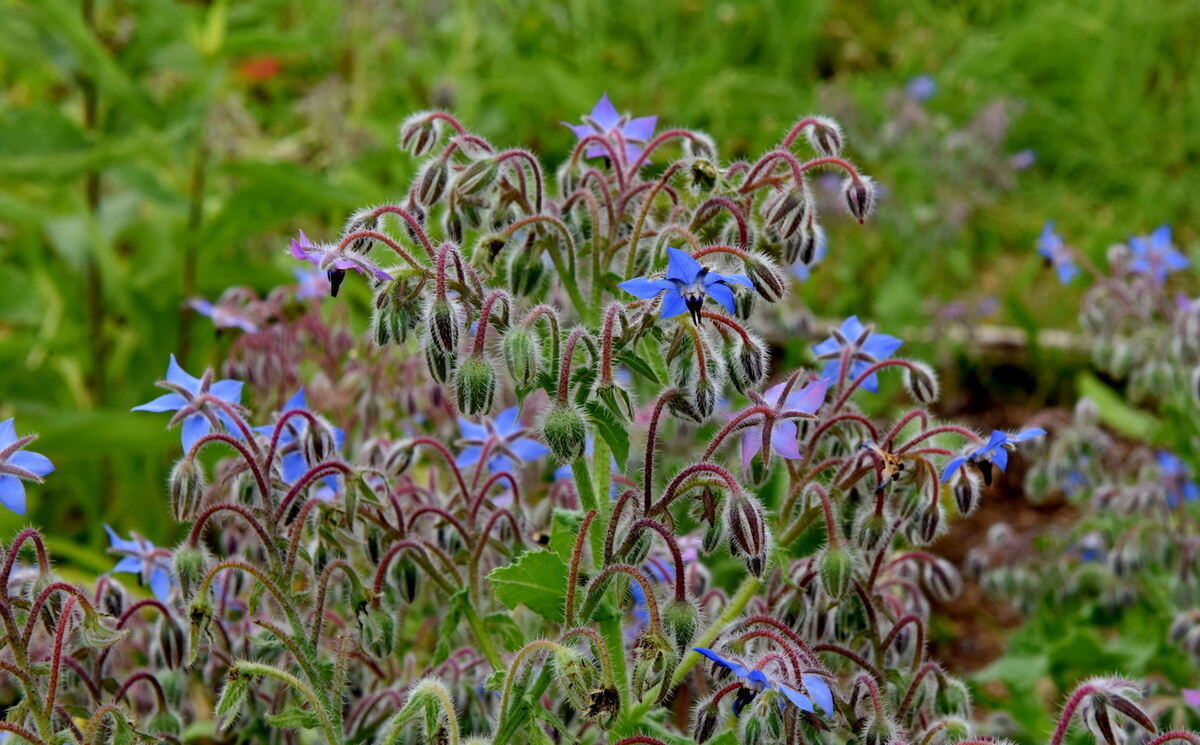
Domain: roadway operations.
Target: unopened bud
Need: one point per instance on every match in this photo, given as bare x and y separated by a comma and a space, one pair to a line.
565, 432
749, 537
476, 177
704, 175
943, 580
653, 660
441, 365
768, 281
233, 698
170, 643
786, 210
705, 721
871, 530
187, 488
860, 197
442, 322
704, 396
522, 355
475, 385
966, 491
419, 133
953, 697
835, 567
679, 620
575, 675
700, 145
922, 383
189, 567
747, 364
431, 182
825, 136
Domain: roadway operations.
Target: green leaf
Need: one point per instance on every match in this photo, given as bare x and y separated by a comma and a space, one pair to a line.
610, 427
502, 625
293, 717
564, 527
450, 621
631, 360
1115, 412
537, 580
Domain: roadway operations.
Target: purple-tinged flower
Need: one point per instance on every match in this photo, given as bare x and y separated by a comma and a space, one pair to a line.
687, 285
1091, 547
334, 262
504, 439
757, 680
865, 349
17, 466
141, 557
192, 398
784, 432
1155, 255
223, 316
311, 285
1191, 696
994, 452
921, 88
1051, 247
605, 121
293, 464
1176, 479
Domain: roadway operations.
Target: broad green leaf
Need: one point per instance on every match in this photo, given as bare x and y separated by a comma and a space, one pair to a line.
293, 717
1115, 411
612, 429
537, 580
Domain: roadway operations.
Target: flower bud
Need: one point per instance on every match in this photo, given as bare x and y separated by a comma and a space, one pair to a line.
565, 432
859, 195
749, 536
825, 136
189, 567
441, 364
476, 177
431, 181
419, 133
653, 661
925, 528
768, 281
93, 632
442, 322
806, 246
966, 491
452, 224
526, 271
522, 355
679, 620
575, 675
870, 530
921, 382
318, 442
704, 175
170, 644
376, 631
700, 145
604, 706
747, 364
835, 567
706, 717
786, 210
943, 580
953, 697
879, 731
187, 488
475, 385
200, 614
704, 397
233, 697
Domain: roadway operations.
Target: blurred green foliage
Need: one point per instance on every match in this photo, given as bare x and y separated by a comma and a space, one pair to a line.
152, 150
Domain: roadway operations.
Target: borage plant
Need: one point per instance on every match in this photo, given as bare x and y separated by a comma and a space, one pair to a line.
599, 491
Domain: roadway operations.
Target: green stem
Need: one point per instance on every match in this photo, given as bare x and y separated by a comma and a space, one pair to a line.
270, 671
587, 500
485, 641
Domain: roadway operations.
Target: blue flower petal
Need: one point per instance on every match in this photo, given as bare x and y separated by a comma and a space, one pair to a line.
528, 450
229, 391
166, 402
643, 288
605, 114
737, 669
952, 465
818, 689
1000, 458
469, 456
35, 463
723, 295
194, 427
801, 701
507, 421
12, 493
160, 584
673, 305
681, 266
177, 375
8, 433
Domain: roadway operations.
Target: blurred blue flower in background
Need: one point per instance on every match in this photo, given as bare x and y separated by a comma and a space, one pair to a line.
504, 439
921, 88
1155, 255
141, 557
18, 465
1052, 248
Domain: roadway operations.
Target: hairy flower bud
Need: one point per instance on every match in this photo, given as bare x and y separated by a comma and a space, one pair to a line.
768, 281
441, 318
653, 660
942, 579
475, 385
376, 631
576, 676
704, 175
966, 491
705, 719
189, 567
786, 211
749, 536
859, 195
431, 181
835, 567
704, 397
746, 361
522, 355
318, 442
825, 136
187, 488
200, 614
922, 383
476, 177
679, 620
953, 697
441, 364
565, 432
870, 530
419, 133
170, 644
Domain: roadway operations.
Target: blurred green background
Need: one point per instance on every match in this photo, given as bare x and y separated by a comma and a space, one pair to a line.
154, 150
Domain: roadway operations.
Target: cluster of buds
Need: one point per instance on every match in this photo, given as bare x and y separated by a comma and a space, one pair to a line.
508, 520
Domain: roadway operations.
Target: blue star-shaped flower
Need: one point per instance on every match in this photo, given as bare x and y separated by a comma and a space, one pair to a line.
866, 347
1050, 245
17, 466
687, 285
784, 432
757, 680
187, 395
505, 439
1155, 256
921, 88
293, 464
994, 452
141, 557
604, 120
223, 315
